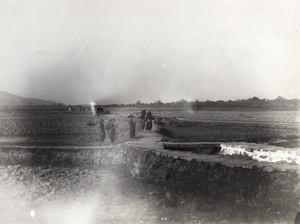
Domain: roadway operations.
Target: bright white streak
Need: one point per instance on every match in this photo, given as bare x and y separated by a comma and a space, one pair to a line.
93, 107
32, 213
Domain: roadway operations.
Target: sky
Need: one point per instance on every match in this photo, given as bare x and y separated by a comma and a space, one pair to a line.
122, 51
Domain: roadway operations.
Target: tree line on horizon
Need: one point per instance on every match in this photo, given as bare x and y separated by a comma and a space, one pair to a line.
280, 103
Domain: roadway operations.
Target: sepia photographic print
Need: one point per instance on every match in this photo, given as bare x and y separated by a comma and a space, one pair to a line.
149, 111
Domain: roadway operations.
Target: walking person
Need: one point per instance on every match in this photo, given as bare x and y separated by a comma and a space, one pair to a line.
102, 132
111, 131
149, 119
143, 119
131, 126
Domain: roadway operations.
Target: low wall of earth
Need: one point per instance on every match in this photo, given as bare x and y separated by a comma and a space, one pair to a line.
61, 156
197, 177
217, 180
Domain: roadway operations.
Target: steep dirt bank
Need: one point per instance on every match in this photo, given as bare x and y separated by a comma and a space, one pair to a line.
279, 189
167, 190
108, 195
200, 178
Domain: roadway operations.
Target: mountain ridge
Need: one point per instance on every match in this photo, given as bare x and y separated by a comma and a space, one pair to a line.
9, 99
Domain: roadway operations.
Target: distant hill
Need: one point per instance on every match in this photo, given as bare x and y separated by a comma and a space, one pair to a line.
8, 99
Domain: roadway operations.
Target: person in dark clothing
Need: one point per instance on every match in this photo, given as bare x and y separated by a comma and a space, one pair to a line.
143, 119
149, 119
102, 132
111, 131
131, 126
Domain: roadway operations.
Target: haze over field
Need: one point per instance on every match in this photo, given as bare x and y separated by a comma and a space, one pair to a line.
109, 51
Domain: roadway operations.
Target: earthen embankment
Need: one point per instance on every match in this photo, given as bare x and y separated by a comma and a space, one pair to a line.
147, 159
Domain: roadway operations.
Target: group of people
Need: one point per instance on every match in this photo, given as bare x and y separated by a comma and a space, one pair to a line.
146, 120
145, 124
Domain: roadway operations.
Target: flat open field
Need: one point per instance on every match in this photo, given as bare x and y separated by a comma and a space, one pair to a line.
281, 128
57, 128
110, 195
220, 115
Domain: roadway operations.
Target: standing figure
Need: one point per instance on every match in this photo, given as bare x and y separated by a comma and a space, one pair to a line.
102, 132
149, 119
111, 130
131, 126
143, 118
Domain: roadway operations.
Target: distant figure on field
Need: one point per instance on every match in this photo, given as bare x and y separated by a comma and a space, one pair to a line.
111, 130
143, 119
149, 119
98, 110
102, 132
131, 126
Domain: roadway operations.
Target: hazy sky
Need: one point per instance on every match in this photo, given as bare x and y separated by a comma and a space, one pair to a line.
76, 51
